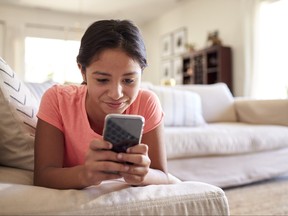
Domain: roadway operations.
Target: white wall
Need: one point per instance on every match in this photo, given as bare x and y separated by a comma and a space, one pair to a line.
200, 17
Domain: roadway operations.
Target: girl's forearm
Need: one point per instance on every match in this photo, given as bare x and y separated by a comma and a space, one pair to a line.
60, 178
73, 178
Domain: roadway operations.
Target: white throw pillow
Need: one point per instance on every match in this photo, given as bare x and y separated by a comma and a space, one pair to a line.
18, 109
181, 108
217, 101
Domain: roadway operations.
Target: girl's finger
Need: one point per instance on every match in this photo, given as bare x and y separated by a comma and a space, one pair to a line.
99, 144
137, 159
104, 155
138, 149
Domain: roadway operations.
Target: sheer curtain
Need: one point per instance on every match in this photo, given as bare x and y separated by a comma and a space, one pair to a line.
270, 66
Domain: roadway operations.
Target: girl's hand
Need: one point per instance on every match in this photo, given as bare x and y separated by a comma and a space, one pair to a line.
139, 164
101, 164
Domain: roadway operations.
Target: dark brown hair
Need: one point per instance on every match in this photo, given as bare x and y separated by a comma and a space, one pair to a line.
109, 34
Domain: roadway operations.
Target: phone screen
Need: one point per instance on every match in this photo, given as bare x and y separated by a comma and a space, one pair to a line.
123, 131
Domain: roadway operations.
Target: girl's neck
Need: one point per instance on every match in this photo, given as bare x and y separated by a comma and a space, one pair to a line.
95, 118
96, 125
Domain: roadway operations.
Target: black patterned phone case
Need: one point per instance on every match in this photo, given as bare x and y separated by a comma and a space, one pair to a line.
123, 131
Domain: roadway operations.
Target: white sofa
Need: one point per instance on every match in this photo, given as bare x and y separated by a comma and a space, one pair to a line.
18, 196
215, 138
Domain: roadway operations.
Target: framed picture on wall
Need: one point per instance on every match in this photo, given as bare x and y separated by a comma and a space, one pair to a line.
177, 70
179, 41
166, 45
166, 69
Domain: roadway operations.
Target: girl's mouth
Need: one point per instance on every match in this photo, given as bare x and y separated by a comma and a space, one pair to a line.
115, 105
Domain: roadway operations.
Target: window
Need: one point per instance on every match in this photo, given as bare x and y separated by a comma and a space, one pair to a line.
271, 71
51, 59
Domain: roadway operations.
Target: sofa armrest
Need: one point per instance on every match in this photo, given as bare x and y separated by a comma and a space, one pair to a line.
262, 111
113, 197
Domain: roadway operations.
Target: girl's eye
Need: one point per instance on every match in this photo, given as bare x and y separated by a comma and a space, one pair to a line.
128, 81
102, 80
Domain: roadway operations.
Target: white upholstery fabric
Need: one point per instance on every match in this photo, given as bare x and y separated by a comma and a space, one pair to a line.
262, 111
217, 101
231, 170
16, 176
181, 108
223, 139
18, 108
111, 198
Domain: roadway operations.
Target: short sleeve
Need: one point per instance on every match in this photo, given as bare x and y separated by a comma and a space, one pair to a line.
49, 108
148, 105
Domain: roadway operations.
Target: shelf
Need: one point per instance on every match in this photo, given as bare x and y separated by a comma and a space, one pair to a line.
212, 70
186, 75
210, 65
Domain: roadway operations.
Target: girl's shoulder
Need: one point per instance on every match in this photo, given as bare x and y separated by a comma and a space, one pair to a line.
145, 99
146, 94
65, 93
67, 90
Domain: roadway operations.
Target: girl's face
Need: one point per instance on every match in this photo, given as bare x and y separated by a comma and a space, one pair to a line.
113, 81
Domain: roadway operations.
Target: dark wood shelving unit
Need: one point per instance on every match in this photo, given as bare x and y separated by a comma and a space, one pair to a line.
208, 66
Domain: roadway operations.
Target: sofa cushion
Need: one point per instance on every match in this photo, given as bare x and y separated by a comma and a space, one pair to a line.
232, 170
18, 108
226, 138
181, 108
113, 197
217, 101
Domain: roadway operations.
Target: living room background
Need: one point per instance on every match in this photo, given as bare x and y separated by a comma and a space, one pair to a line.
233, 19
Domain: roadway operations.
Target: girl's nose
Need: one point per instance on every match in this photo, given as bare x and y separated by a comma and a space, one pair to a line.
115, 92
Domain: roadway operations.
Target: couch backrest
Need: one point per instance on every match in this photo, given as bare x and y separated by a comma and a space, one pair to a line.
217, 101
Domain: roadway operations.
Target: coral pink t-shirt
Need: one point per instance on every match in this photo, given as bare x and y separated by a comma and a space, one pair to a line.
63, 106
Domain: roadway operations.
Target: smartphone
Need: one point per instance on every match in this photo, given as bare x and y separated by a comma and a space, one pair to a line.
123, 130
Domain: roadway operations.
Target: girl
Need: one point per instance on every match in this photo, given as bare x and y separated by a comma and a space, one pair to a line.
69, 149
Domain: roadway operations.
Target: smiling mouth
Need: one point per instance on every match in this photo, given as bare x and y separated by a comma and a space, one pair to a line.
115, 105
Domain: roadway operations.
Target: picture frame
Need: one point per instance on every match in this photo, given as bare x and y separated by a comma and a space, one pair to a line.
166, 69
179, 41
177, 70
166, 45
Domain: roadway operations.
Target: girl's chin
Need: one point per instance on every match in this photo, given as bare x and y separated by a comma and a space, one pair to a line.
114, 113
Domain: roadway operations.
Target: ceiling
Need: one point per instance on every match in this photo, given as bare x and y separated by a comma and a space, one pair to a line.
137, 10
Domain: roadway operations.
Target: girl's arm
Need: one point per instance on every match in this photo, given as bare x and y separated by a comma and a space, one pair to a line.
150, 160
49, 151
48, 165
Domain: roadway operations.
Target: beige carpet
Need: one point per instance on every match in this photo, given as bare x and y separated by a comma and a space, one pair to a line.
263, 198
